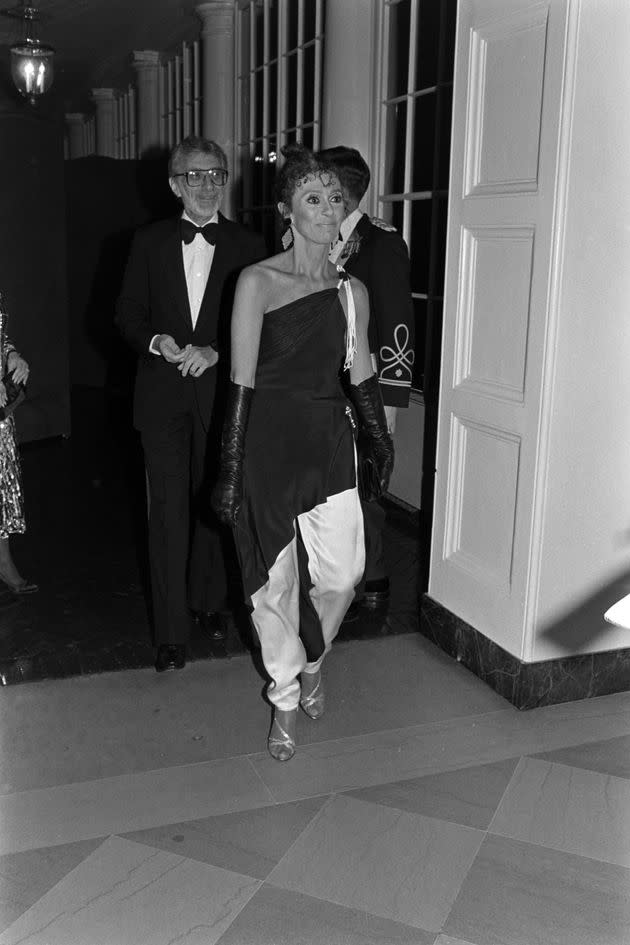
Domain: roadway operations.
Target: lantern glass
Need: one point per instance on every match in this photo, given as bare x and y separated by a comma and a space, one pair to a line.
32, 68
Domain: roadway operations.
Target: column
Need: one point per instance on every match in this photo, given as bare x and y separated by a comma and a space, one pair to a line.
147, 65
217, 64
105, 102
75, 122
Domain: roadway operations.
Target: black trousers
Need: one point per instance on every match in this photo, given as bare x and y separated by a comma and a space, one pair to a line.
186, 543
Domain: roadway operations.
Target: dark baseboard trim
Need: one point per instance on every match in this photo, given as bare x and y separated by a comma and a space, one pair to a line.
525, 685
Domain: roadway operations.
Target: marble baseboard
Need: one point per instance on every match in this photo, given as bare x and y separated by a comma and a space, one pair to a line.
525, 685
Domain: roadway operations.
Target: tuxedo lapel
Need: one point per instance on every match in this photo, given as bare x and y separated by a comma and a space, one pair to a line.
173, 263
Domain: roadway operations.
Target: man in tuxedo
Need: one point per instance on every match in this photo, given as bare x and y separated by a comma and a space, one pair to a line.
376, 254
174, 310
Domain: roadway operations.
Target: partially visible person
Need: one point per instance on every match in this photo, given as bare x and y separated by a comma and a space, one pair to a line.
287, 483
12, 521
174, 310
377, 255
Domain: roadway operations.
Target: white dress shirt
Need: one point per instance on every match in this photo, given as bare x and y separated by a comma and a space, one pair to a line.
197, 258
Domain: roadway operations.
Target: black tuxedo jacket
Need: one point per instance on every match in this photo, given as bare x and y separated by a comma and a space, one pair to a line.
381, 261
154, 301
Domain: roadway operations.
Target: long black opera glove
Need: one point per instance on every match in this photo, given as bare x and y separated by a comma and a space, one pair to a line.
227, 494
375, 447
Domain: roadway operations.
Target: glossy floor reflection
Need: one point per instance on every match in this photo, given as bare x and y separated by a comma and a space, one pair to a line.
86, 545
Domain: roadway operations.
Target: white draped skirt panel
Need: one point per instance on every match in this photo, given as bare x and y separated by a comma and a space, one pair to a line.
332, 534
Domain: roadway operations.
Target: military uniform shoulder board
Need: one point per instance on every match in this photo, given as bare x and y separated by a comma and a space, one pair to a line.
382, 224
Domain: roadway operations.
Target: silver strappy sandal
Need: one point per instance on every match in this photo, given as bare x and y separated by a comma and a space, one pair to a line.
314, 703
280, 744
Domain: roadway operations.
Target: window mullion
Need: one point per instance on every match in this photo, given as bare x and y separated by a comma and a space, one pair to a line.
265, 125
385, 67
317, 105
252, 74
282, 74
299, 111
411, 120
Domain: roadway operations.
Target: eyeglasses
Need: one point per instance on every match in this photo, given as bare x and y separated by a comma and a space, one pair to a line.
218, 176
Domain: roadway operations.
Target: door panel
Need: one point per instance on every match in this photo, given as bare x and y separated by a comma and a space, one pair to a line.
506, 109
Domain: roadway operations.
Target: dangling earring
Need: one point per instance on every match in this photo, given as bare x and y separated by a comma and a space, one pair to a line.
287, 237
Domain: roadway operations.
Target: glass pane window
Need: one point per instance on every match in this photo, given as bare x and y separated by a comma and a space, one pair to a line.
292, 74
272, 91
259, 87
423, 142
396, 214
420, 245
399, 25
395, 132
273, 29
310, 19
292, 14
309, 83
427, 45
417, 43
280, 70
260, 35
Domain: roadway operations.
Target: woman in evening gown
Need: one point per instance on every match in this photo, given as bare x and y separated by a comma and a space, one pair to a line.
287, 484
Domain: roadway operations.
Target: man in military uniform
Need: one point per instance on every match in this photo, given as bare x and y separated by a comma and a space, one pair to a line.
376, 254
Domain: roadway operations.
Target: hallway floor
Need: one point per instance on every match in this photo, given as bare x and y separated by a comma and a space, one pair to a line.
143, 808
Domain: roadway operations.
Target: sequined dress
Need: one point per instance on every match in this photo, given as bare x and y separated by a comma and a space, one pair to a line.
11, 497
299, 447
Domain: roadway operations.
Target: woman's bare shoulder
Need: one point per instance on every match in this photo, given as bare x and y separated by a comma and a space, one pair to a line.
265, 272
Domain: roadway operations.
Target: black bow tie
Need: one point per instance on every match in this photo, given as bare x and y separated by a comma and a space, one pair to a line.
189, 231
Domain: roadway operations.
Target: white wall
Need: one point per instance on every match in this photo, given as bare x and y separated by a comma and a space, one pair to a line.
586, 536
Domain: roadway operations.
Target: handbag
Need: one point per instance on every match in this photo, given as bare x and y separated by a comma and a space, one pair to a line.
16, 394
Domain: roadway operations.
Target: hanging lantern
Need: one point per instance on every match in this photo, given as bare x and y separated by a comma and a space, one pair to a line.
32, 66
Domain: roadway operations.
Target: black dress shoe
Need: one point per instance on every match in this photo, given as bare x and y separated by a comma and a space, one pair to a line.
214, 626
376, 594
170, 656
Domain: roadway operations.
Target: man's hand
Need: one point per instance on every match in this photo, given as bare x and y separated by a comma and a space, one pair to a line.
18, 367
390, 416
197, 360
170, 350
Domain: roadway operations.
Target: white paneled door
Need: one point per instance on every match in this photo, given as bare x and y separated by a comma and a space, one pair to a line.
496, 362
